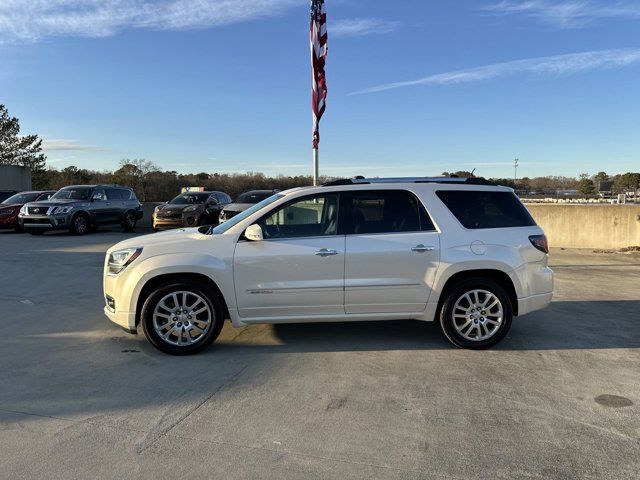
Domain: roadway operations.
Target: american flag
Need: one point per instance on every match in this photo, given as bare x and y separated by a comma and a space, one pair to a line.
318, 36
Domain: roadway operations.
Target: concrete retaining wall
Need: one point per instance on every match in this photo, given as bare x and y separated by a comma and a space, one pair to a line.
589, 226
13, 177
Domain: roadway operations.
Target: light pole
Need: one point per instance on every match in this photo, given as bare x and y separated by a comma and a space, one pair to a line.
515, 170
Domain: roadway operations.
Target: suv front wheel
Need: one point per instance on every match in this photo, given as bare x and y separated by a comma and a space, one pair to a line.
129, 222
79, 224
182, 318
476, 313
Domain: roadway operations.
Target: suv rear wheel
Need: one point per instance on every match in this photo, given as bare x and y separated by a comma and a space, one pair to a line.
476, 313
182, 318
79, 224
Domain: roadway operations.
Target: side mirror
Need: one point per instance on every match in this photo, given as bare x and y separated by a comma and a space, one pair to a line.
253, 233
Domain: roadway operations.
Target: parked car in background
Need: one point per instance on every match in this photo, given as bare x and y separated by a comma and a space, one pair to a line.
4, 194
244, 201
78, 208
10, 207
189, 210
463, 252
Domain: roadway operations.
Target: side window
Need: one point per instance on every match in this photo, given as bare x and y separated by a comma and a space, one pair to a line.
98, 194
307, 217
224, 198
112, 194
125, 194
486, 209
385, 211
44, 196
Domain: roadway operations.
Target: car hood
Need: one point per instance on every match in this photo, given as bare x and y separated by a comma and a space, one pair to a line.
237, 207
10, 205
168, 208
58, 203
179, 237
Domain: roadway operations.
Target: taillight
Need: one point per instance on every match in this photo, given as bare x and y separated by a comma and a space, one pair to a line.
540, 242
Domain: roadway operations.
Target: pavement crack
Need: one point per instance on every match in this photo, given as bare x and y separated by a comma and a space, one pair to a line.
163, 432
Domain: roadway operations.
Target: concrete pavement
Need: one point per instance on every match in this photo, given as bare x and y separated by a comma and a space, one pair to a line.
79, 398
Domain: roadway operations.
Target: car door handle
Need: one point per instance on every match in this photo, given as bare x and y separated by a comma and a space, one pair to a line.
423, 248
107, 203
325, 252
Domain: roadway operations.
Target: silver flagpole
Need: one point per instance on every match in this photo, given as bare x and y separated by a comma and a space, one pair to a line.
315, 167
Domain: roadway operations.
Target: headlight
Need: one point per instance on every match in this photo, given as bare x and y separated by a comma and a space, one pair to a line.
6, 211
57, 210
120, 259
155, 210
23, 210
190, 209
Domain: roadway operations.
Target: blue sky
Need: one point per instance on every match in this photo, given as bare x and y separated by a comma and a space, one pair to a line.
415, 87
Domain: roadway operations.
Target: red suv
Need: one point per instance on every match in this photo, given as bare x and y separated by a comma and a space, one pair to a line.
10, 207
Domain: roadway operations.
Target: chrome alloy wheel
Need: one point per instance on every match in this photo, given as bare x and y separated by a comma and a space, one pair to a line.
477, 315
80, 224
182, 318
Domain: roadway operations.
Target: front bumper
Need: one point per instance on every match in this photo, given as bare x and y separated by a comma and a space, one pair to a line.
10, 221
125, 320
48, 222
167, 223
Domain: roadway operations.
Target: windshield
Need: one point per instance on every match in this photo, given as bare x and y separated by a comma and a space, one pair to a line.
223, 227
72, 193
21, 198
252, 197
190, 199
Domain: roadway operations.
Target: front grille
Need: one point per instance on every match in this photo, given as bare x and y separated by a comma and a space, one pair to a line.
37, 210
38, 221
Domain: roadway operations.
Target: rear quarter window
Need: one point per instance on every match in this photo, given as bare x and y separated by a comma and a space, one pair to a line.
482, 209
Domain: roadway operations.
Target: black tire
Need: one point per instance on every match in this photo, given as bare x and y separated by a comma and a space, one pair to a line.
35, 232
129, 222
448, 322
80, 224
167, 346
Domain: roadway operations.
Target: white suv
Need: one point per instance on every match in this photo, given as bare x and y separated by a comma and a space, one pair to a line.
464, 252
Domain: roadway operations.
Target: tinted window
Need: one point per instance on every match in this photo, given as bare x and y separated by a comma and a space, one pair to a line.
384, 211
477, 209
307, 217
21, 198
98, 194
125, 194
44, 196
113, 194
190, 198
73, 193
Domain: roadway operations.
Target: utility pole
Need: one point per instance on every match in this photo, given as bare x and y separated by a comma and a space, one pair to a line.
515, 170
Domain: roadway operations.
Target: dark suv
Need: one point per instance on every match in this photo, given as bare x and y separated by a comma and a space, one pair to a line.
79, 207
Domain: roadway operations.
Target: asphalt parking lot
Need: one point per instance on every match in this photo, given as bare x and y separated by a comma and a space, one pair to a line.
80, 398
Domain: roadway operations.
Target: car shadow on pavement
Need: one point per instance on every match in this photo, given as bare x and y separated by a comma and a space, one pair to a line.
563, 325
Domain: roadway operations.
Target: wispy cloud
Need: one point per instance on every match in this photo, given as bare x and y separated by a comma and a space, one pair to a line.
357, 27
568, 13
56, 144
37, 19
559, 65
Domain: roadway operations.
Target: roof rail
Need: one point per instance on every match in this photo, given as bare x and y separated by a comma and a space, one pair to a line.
452, 180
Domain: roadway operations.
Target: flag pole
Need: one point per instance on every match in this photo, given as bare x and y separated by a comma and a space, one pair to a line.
315, 167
